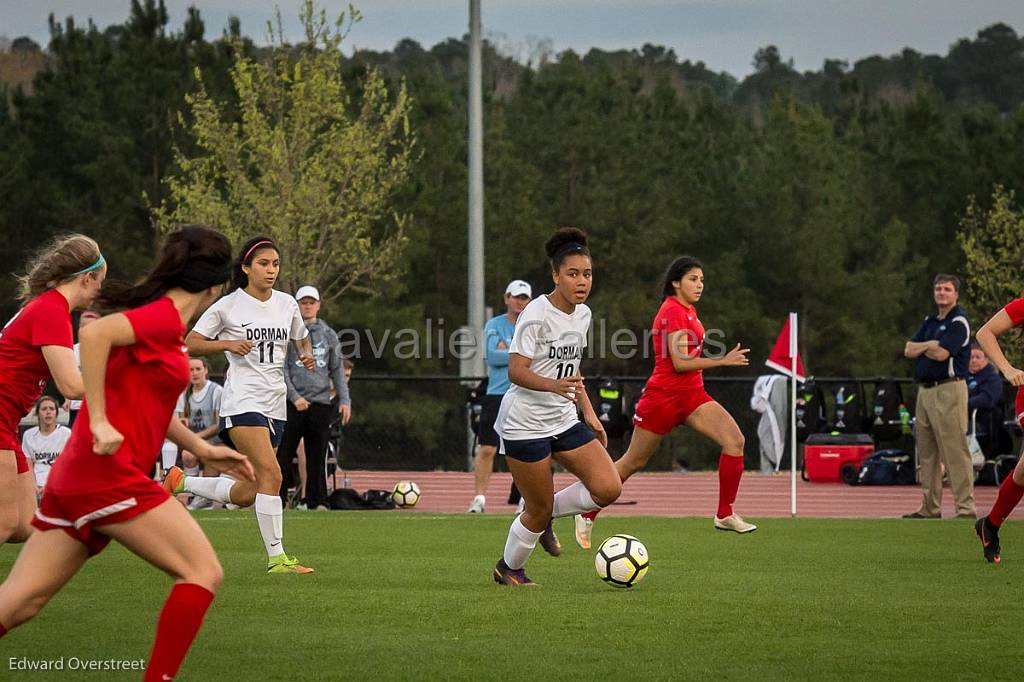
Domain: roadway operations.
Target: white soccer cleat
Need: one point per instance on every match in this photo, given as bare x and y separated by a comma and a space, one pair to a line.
584, 527
478, 505
199, 502
734, 523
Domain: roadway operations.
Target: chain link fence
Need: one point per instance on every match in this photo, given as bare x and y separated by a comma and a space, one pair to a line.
422, 422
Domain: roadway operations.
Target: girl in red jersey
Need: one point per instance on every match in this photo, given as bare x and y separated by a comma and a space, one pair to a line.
34, 346
1012, 488
675, 395
134, 366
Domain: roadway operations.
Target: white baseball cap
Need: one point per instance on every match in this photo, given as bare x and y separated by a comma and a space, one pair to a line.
518, 287
307, 292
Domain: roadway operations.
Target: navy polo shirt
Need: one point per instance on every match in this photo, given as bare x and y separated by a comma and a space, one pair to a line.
953, 332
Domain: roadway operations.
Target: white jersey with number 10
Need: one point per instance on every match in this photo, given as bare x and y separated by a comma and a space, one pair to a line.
554, 342
255, 382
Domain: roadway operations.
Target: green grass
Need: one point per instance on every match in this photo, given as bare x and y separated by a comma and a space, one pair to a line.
409, 596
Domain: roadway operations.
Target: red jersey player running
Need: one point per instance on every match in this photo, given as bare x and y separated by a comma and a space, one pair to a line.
675, 395
36, 344
1012, 488
135, 366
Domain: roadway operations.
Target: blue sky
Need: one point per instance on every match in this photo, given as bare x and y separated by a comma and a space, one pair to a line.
722, 33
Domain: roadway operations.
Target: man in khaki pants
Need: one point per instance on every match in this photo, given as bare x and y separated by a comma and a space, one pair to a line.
942, 350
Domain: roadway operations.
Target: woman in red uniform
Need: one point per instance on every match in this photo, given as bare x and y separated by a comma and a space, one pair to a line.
135, 366
36, 345
1012, 488
675, 395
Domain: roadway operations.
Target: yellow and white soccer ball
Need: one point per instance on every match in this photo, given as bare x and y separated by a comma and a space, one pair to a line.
622, 561
405, 494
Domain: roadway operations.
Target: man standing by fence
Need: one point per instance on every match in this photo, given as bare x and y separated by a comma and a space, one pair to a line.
497, 338
310, 412
942, 350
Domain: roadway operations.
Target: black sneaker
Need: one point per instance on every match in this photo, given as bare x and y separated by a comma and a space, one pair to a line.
503, 575
989, 536
549, 541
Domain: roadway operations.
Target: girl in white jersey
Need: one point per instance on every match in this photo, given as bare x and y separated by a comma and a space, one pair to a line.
252, 326
538, 415
41, 444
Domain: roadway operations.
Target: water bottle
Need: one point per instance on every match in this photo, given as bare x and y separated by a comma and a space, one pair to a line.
904, 418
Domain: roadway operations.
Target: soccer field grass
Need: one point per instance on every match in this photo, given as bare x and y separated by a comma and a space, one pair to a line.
410, 596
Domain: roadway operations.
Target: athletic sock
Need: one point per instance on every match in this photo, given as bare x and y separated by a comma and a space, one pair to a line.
191, 471
1008, 498
730, 469
575, 499
520, 544
217, 489
591, 514
3, 630
270, 517
179, 622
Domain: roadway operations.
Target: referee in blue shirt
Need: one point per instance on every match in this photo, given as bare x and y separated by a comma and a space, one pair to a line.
941, 349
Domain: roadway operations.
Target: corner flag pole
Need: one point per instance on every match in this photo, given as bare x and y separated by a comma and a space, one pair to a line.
793, 350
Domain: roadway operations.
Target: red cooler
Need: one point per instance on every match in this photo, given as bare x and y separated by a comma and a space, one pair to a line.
826, 455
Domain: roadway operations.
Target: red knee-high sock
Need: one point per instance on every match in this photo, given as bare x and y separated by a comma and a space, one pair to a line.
3, 630
591, 514
730, 469
179, 622
1008, 498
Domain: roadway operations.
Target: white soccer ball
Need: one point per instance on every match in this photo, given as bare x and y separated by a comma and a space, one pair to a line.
622, 561
406, 494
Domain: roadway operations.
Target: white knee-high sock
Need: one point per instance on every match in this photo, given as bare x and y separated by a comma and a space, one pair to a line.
270, 517
217, 488
192, 471
520, 544
575, 499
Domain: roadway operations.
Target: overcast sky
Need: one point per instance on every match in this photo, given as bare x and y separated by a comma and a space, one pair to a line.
722, 33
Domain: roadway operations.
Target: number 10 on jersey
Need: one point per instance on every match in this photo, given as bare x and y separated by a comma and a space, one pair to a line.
565, 369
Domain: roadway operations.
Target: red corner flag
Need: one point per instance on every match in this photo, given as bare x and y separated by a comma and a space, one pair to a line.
782, 355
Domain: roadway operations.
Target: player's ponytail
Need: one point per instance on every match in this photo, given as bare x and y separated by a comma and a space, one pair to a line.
249, 250
65, 257
566, 241
676, 271
193, 258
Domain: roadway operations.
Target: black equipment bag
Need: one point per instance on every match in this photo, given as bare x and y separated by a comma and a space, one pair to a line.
810, 410
885, 419
474, 402
611, 408
887, 467
995, 471
848, 412
347, 498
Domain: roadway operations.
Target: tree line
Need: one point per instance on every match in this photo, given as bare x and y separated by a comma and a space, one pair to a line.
836, 193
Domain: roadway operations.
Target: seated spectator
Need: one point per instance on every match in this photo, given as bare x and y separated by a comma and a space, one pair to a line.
41, 444
985, 402
201, 411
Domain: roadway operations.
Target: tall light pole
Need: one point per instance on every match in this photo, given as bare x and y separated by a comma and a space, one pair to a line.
475, 284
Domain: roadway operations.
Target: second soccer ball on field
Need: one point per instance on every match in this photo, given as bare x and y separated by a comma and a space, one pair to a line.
406, 494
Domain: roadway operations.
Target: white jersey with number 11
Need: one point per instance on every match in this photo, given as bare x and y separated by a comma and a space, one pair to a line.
255, 382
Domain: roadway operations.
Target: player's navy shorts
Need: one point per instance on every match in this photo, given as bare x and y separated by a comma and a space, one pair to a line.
536, 449
275, 426
489, 406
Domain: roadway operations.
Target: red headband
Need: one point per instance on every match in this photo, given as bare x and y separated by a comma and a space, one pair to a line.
254, 247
